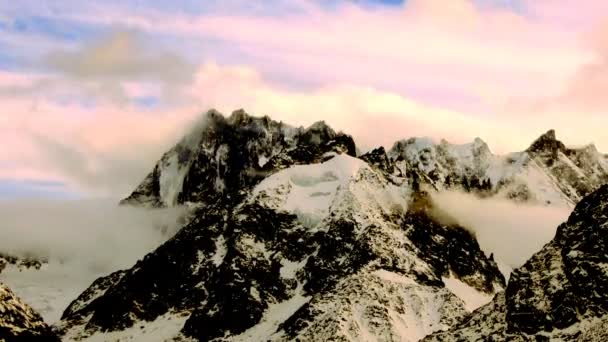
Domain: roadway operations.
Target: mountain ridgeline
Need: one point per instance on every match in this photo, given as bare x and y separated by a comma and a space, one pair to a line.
294, 236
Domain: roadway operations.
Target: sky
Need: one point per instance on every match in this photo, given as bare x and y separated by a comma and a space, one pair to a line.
92, 93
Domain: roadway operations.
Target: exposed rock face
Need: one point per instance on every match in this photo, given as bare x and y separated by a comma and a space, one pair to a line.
547, 144
380, 160
560, 293
19, 262
79, 311
19, 322
224, 157
321, 245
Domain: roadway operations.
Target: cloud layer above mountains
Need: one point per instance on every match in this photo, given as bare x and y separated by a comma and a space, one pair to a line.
92, 96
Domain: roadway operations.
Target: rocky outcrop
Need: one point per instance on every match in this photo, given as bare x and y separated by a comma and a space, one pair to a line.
20, 262
19, 322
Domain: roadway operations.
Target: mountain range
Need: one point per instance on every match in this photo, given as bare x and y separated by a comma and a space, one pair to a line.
295, 236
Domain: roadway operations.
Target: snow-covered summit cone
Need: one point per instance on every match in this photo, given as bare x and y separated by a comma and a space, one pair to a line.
19, 322
561, 293
222, 156
336, 249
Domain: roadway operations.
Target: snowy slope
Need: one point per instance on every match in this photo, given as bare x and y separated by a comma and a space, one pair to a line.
313, 191
164, 328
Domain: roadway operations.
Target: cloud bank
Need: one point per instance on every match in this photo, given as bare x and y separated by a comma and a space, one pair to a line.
97, 235
82, 240
513, 232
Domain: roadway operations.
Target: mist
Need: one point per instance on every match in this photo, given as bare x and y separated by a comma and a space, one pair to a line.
81, 240
513, 232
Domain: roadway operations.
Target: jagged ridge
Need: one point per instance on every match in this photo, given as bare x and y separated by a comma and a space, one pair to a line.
229, 155
546, 173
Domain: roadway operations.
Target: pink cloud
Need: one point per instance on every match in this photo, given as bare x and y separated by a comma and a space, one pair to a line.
457, 48
570, 15
104, 149
110, 148
430, 68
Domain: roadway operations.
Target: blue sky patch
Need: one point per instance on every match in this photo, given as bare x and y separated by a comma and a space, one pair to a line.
12, 189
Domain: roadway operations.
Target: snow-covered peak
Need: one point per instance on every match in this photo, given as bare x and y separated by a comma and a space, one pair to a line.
420, 152
546, 173
296, 238
412, 145
314, 251
337, 186
319, 126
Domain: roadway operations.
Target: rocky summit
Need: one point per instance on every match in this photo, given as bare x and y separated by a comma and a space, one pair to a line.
224, 157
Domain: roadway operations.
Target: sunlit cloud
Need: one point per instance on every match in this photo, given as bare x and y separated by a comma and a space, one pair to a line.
100, 107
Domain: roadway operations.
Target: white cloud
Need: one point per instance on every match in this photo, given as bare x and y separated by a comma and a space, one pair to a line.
95, 234
513, 232
83, 240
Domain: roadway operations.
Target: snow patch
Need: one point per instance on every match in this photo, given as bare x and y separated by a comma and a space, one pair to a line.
220, 251
164, 328
471, 297
262, 160
274, 315
394, 277
171, 179
290, 269
221, 156
311, 188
